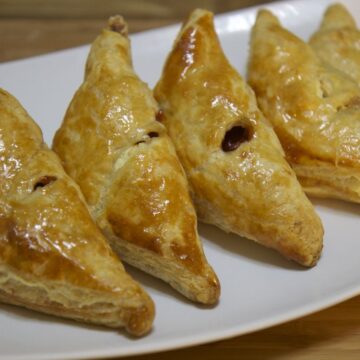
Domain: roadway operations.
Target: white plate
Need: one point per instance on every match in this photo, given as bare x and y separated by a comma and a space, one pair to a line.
259, 288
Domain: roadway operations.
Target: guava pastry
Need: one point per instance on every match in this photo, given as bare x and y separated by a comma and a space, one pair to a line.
112, 145
53, 258
236, 167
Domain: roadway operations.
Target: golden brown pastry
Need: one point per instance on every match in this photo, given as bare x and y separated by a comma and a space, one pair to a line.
53, 258
127, 168
337, 42
234, 162
314, 109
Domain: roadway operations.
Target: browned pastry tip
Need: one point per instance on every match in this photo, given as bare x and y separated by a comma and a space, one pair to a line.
117, 24
140, 319
337, 16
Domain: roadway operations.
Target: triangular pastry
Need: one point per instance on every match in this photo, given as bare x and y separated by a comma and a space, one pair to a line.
124, 162
234, 162
314, 108
337, 42
53, 258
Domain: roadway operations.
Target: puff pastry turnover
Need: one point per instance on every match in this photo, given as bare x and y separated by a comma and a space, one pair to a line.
337, 42
53, 258
239, 177
314, 109
127, 168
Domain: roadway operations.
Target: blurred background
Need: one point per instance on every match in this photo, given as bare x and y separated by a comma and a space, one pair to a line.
33, 27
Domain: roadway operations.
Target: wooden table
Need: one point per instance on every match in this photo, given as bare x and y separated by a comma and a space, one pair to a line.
30, 27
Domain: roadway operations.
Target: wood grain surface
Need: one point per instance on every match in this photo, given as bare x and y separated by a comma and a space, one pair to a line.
31, 27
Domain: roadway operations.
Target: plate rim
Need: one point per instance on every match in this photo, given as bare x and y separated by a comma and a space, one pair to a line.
199, 339
163, 345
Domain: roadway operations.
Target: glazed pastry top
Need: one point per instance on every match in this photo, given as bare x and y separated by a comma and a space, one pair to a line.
314, 108
196, 72
103, 116
337, 42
